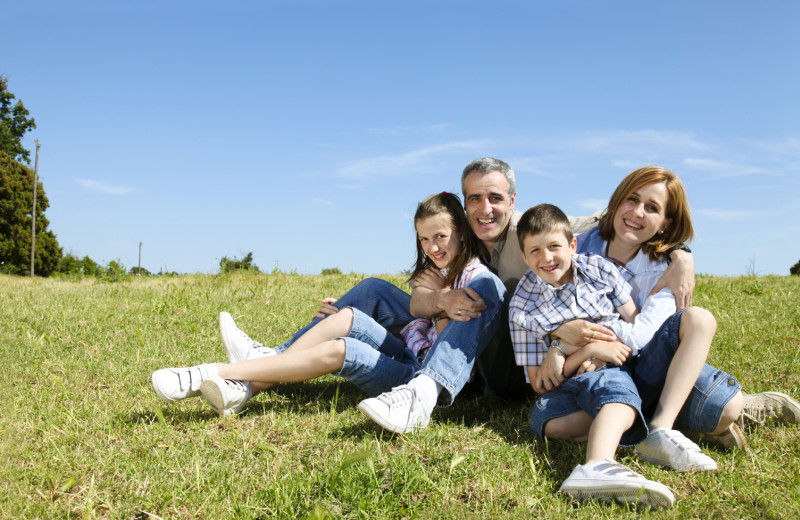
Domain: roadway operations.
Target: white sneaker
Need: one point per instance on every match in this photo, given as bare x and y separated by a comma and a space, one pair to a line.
609, 480
226, 396
399, 410
672, 449
238, 345
174, 384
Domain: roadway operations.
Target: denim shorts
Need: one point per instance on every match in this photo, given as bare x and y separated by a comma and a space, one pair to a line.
589, 392
375, 360
711, 392
644, 376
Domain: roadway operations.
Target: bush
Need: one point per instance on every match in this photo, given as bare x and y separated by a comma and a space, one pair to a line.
226, 265
795, 269
331, 270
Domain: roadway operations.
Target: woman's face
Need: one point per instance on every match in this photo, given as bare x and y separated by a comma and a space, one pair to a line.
642, 214
438, 239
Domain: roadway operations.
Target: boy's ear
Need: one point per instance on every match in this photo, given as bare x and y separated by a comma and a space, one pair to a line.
574, 245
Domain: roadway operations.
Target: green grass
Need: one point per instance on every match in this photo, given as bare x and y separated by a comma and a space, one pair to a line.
84, 436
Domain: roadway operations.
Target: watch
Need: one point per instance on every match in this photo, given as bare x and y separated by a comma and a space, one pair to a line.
556, 345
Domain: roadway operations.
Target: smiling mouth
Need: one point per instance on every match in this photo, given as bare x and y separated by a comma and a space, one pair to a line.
630, 225
486, 221
550, 269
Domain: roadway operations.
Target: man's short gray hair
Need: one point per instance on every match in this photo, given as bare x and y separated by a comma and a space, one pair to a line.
486, 165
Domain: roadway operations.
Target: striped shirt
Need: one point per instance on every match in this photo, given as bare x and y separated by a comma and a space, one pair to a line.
420, 334
537, 308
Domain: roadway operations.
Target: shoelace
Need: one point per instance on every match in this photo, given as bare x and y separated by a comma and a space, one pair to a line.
398, 396
254, 345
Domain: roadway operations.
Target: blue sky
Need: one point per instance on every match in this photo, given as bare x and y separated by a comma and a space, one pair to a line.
306, 132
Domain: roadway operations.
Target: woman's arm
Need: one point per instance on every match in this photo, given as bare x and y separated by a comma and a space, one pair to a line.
679, 277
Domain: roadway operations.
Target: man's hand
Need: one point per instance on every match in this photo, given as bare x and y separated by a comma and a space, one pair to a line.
460, 304
582, 332
430, 279
326, 308
679, 277
551, 374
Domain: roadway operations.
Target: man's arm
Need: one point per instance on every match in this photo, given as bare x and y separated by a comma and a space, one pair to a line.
679, 277
429, 299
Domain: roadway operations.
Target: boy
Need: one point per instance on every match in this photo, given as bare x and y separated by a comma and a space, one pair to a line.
562, 286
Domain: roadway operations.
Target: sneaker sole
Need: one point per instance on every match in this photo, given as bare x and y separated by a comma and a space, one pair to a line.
212, 393
657, 496
373, 414
788, 404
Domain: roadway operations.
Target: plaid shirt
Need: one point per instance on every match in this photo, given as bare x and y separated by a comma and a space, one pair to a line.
537, 308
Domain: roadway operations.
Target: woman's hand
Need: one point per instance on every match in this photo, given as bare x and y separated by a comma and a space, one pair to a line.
679, 277
582, 332
326, 308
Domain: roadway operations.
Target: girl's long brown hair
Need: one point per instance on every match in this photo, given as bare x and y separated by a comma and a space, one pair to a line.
446, 204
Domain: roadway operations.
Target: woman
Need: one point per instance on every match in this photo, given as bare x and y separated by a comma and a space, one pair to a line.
647, 215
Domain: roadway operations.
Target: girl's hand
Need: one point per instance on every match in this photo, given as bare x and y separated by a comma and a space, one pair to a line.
582, 332
326, 308
430, 279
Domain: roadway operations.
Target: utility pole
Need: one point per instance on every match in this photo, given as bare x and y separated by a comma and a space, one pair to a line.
33, 214
139, 271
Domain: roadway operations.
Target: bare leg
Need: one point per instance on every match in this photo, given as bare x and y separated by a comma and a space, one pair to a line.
611, 422
696, 332
334, 326
731, 412
289, 367
572, 427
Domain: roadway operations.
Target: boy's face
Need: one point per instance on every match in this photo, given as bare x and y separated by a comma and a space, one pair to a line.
549, 256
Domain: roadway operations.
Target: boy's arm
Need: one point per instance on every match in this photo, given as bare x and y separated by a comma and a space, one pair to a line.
628, 311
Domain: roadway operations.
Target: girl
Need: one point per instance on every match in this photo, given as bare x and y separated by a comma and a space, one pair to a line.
347, 343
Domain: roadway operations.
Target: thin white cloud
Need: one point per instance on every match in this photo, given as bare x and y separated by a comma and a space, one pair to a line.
106, 189
623, 142
722, 169
401, 164
788, 146
411, 129
321, 202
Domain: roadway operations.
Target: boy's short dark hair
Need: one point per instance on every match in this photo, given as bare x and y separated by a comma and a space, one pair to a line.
540, 219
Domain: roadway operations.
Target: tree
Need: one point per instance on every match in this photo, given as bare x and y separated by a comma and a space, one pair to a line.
795, 269
16, 205
227, 265
14, 123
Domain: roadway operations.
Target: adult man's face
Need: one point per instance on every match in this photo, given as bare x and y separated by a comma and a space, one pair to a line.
488, 205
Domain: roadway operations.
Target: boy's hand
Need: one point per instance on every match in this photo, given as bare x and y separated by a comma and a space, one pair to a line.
590, 365
610, 351
582, 332
551, 373
326, 308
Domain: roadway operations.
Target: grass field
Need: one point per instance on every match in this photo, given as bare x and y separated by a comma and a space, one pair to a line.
84, 436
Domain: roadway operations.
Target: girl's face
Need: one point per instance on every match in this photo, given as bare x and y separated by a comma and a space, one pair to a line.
642, 214
438, 239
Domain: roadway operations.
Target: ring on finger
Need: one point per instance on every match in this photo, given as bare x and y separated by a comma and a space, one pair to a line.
458, 312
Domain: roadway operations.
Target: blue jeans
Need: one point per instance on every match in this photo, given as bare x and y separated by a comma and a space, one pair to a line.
451, 359
375, 360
